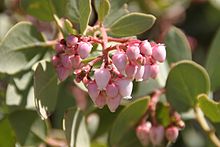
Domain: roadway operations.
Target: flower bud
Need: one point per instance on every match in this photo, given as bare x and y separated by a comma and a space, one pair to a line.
139, 74
147, 72
113, 102
84, 49
59, 48
154, 70
111, 90
65, 60
159, 53
146, 48
100, 100
55, 60
133, 52
131, 70
102, 77
62, 72
71, 40
125, 87
120, 61
93, 90
142, 132
76, 60
156, 135
172, 133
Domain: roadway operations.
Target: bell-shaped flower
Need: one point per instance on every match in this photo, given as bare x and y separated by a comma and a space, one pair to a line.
84, 49
146, 48
113, 102
125, 87
102, 77
156, 135
159, 53
120, 61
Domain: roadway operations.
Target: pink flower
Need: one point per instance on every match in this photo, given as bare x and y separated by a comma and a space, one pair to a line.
156, 135
154, 70
120, 61
142, 132
59, 48
133, 52
147, 72
139, 74
131, 70
113, 102
100, 100
71, 40
93, 90
172, 133
84, 49
102, 77
75, 60
146, 48
111, 90
55, 60
63, 72
125, 88
65, 60
159, 53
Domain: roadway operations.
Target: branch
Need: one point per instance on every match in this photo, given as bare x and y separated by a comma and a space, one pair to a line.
203, 123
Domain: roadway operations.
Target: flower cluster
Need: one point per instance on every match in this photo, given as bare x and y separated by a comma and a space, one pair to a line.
122, 63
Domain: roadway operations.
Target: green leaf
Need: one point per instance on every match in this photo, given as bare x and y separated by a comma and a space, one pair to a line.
45, 89
22, 46
102, 7
72, 10
163, 114
139, 22
7, 138
212, 63
177, 46
40, 9
85, 10
75, 128
185, 82
21, 121
210, 108
125, 122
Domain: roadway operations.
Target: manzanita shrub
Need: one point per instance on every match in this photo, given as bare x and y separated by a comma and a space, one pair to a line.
85, 78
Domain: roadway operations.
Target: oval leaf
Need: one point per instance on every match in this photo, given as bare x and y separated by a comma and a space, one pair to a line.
75, 128
177, 46
212, 63
126, 120
209, 107
185, 82
131, 24
85, 9
23, 45
45, 89
72, 10
102, 7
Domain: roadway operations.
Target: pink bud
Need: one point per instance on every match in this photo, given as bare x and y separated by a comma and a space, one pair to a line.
84, 49
71, 40
147, 72
102, 77
125, 88
63, 73
131, 70
154, 70
113, 102
111, 90
139, 74
146, 48
59, 48
156, 135
100, 100
55, 60
133, 52
159, 53
172, 133
142, 132
76, 60
93, 90
120, 61
65, 60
